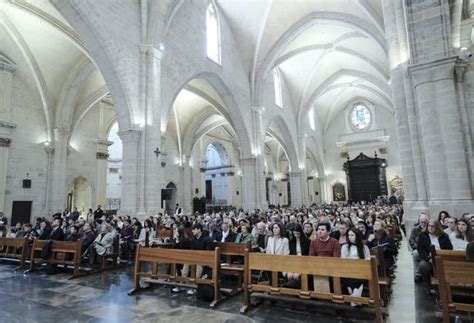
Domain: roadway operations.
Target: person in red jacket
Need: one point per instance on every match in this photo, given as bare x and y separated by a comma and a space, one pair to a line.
325, 246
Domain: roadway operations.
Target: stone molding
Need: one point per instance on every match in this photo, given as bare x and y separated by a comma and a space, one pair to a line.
5, 142
434, 71
130, 135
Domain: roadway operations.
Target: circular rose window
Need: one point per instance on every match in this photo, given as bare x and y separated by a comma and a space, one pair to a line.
360, 117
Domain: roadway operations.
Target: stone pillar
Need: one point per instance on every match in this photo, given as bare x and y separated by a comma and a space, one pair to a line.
7, 68
261, 199
102, 155
249, 187
187, 185
129, 200
58, 183
302, 166
4, 148
411, 159
323, 185
442, 133
153, 139
296, 182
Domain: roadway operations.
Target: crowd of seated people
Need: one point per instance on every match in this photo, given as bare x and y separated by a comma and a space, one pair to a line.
446, 232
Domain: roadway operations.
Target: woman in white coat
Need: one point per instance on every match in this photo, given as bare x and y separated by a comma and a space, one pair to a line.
278, 243
103, 244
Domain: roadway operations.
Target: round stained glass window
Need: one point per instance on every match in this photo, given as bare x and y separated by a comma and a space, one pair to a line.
360, 117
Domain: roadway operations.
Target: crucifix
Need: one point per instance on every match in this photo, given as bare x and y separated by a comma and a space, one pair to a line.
157, 152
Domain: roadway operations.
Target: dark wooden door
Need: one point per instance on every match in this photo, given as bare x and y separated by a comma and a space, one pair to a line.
364, 183
21, 212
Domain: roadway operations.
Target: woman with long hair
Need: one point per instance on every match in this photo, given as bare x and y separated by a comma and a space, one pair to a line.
434, 235
354, 249
462, 235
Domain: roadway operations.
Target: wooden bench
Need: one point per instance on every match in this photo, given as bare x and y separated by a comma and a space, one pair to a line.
454, 273
14, 249
453, 255
173, 257
62, 252
336, 268
385, 282
230, 251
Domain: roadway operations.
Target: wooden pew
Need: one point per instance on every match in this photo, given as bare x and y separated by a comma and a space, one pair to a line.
104, 259
454, 255
336, 268
61, 253
385, 282
454, 273
230, 251
14, 249
156, 256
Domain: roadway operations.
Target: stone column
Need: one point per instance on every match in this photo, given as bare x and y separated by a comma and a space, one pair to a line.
153, 138
249, 187
4, 148
296, 182
302, 166
102, 155
58, 171
261, 200
323, 185
129, 195
441, 130
7, 68
187, 185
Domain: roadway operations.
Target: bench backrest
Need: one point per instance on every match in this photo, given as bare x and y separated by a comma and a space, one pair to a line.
58, 246
11, 242
233, 248
320, 266
456, 273
178, 256
454, 255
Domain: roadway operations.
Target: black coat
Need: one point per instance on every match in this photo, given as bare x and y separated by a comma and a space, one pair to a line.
385, 241
203, 243
304, 243
424, 244
57, 234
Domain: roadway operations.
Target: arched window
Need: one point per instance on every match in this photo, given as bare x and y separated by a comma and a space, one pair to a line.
277, 85
213, 35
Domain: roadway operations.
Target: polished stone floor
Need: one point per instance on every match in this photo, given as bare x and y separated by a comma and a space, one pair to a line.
38, 297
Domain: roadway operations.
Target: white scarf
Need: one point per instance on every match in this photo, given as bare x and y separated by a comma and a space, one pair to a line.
224, 235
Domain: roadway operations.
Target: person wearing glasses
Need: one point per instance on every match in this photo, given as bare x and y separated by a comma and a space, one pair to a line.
434, 235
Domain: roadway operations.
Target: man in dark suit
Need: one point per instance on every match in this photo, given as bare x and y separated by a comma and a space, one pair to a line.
87, 236
57, 232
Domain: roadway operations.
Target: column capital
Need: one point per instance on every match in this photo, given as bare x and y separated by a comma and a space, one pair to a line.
433, 71
61, 132
130, 135
153, 51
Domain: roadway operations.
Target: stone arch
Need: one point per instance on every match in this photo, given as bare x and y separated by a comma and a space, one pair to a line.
233, 115
103, 58
297, 29
284, 137
221, 151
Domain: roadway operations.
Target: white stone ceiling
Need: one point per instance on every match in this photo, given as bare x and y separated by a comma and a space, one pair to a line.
316, 44
39, 40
